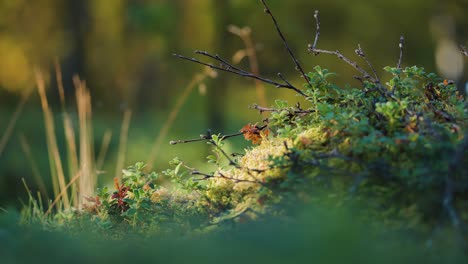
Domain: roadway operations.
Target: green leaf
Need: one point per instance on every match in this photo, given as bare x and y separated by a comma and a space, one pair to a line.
281, 103
177, 168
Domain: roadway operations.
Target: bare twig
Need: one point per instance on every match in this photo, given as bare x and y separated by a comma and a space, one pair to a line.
220, 175
295, 60
317, 31
231, 161
228, 67
353, 64
401, 45
262, 109
204, 138
361, 54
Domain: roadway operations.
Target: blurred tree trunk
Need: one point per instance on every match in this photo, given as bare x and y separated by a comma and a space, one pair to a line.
106, 53
77, 22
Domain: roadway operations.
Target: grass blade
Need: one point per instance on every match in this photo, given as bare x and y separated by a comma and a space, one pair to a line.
11, 125
123, 142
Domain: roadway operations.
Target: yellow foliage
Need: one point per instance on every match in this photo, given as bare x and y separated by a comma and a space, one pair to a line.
15, 73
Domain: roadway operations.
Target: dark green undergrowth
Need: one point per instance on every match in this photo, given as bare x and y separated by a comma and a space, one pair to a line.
312, 235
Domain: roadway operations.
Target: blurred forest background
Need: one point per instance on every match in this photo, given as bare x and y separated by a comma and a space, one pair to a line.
123, 49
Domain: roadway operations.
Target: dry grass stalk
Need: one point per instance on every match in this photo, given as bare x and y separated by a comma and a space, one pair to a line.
70, 137
106, 139
63, 193
87, 181
123, 142
245, 34
58, 177
196, 80
11, 125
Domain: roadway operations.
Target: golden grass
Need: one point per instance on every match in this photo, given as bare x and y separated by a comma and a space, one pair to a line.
81, 163
70, 138
63, 193
56, 167
80, 158
87, 181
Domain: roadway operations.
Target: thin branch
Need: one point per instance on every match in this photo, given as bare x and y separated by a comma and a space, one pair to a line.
240, 71
262, 109
231, 161
204, 138
223, 61
365, 75
353, 64
227, 67
317, 31
401, 45
361, 54
284, 79
220, 175
296, 62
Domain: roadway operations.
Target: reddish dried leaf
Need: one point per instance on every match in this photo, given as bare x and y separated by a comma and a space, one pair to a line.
253, 133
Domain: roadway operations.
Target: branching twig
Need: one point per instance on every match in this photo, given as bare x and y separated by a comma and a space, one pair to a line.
262, 109
295, 60
227, 67
317, 31
353, 64
361, 54
231, 161
220, 175
204, 138
313, 48
365, 75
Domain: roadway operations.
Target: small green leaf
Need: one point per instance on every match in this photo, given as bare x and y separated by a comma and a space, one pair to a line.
177, 168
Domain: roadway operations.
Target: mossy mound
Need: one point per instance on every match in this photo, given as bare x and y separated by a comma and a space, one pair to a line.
396, 152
